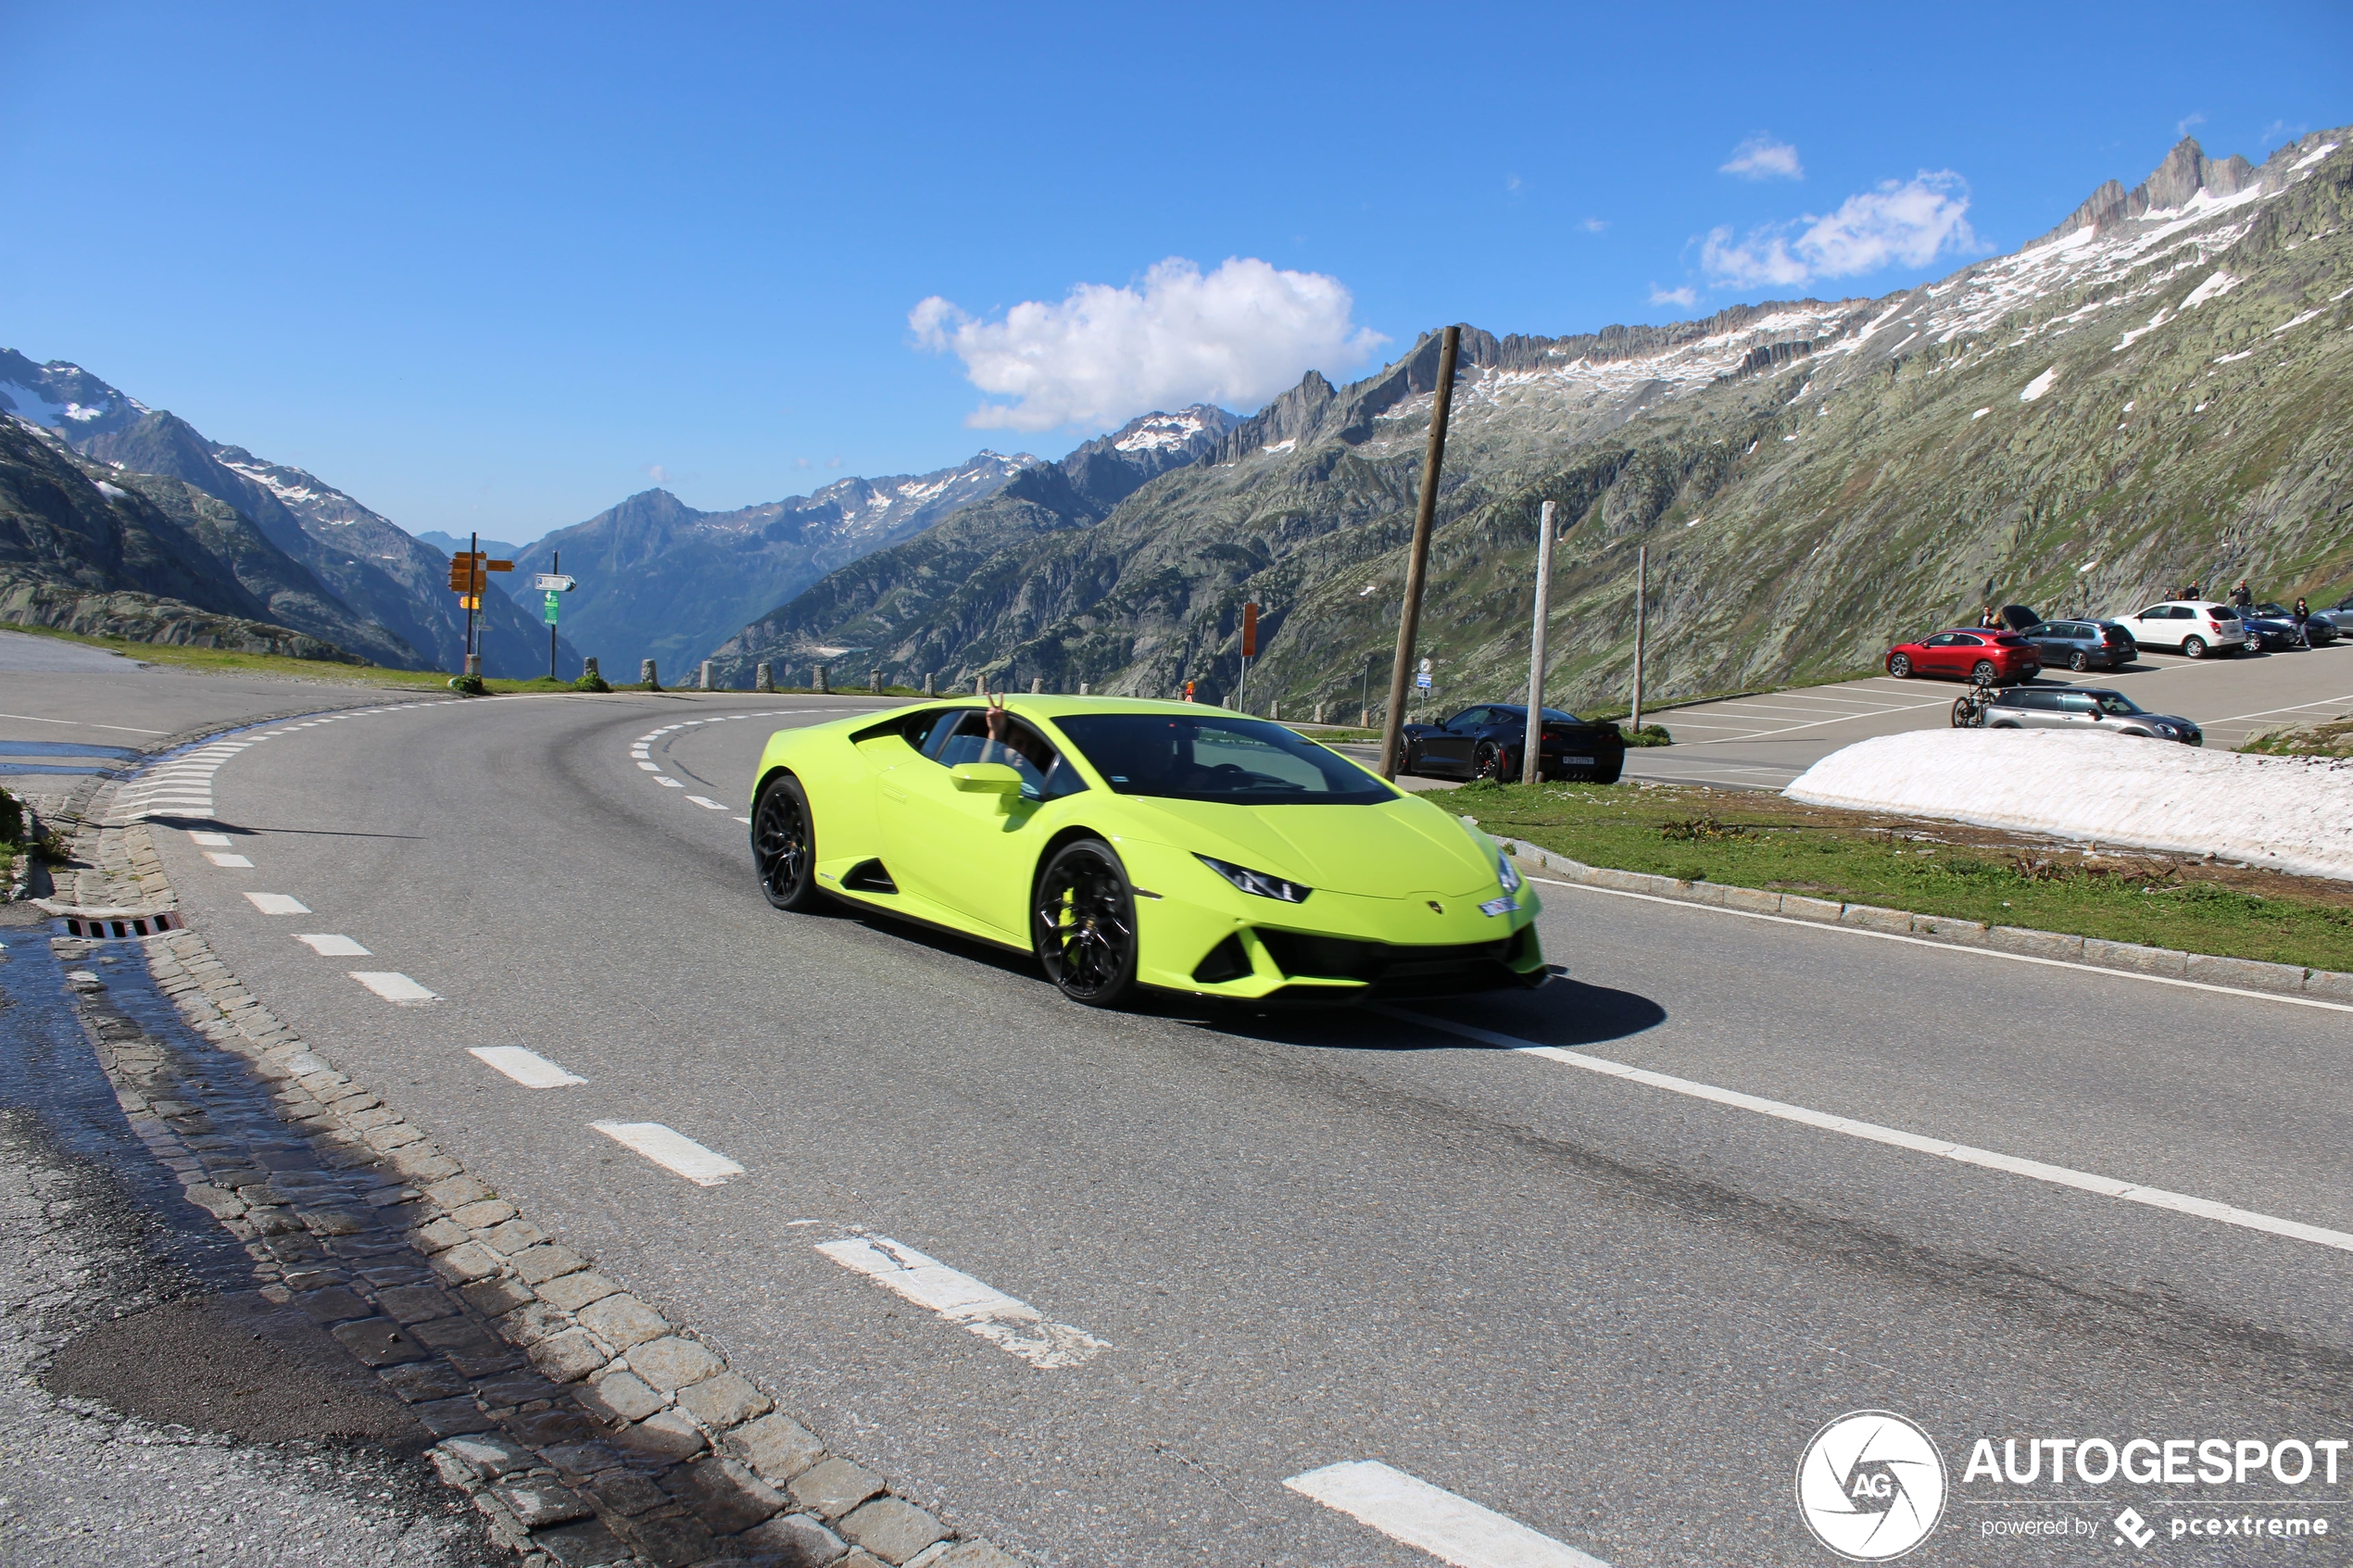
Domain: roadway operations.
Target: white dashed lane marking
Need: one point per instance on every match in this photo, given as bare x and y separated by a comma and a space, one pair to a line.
2058, 1175
394, 987
706, 803
672, 1150
1013, 1326
212, 840
234, 862
1453, 1529
525, 1067
668, 782
329, 947
278, 904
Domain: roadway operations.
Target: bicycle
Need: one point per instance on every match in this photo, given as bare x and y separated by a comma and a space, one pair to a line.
1970, 707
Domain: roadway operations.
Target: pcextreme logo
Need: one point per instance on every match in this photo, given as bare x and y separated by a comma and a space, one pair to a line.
1871, 1485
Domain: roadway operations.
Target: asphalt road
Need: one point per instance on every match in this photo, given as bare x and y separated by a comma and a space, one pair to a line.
1609, 1309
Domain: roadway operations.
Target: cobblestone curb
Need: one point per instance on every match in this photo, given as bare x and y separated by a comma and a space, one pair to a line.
2248, 974
583, 1424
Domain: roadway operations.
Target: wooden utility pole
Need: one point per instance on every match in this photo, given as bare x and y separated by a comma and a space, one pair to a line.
1531, 755
1642, 584
1409, 620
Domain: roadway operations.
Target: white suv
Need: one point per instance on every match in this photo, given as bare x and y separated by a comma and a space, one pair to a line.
2195, 627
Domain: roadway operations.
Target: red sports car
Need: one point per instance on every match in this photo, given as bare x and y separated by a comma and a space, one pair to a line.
1964, 655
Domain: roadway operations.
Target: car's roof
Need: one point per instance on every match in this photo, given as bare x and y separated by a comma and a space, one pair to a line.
1050, 706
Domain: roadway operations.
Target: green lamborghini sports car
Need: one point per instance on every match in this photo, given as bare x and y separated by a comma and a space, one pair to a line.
1132, 843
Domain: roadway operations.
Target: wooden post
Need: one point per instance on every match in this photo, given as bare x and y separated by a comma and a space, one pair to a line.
1642, 586
1532, 759
1409, 620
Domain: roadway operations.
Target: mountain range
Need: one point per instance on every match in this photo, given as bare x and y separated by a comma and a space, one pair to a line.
2155, 391
309, 558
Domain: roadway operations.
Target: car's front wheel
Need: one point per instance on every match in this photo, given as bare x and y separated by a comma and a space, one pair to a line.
1899, 666
784, 846
1082, 923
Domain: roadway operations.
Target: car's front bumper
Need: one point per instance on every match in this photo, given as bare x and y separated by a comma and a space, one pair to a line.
1198, 934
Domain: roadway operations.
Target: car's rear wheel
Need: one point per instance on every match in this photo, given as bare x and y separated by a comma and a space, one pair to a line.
1899, 666
784, 846
1487, 762
1082, 923
1985, 672
2078, 663
2194, 647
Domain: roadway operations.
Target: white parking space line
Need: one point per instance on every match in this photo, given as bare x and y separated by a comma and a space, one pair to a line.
234, 862
1453, 1529
672, 1150
278, 904
210, 839
1012, 1325
708, 805
332, 947
394, 987
525, 1067
2059, 1175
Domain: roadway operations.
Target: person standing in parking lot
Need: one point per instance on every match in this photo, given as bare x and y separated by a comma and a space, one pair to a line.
1986, 620
2243, 597
2303, 618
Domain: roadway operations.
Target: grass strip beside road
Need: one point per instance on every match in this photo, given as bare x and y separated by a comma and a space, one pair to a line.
1748, 839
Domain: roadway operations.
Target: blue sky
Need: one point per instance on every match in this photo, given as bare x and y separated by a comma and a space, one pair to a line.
496, 268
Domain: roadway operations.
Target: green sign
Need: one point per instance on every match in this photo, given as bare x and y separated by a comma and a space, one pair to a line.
548, 614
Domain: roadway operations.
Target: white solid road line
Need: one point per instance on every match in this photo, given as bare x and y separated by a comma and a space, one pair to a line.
2060, 1175
235, 862
527, 1068
671, 1150
278, 904
394, 987
1012, 1325
329, 947
1453, 1529
706, 804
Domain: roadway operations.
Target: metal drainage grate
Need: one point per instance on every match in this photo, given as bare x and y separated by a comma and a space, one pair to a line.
128, 925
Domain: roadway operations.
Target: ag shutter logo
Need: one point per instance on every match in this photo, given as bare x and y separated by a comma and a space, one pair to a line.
1871, 1485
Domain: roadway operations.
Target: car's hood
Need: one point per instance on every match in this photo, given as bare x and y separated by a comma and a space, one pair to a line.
1397, 849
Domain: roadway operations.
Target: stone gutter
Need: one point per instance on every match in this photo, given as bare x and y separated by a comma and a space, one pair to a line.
2246, 974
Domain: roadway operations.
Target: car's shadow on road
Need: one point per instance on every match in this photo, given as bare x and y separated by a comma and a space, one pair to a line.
1566, 1013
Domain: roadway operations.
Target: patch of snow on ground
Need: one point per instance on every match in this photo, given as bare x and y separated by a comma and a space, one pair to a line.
2289, 813
2215, 287
2297, 321
2226, 358
2155, 322
2315, 155
29, 405
2039, 385
1281, 446
1159, 433
111, 492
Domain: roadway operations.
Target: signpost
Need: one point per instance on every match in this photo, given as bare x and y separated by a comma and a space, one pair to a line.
469, 579
1250, 649
555, 584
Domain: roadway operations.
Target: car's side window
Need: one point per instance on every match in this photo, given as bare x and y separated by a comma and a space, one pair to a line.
1045, 775
922, 729
2154, 612
1966, 640
2071, 702
1941, 640
1468, 718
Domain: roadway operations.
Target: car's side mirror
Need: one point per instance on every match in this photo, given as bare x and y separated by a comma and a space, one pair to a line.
985, 778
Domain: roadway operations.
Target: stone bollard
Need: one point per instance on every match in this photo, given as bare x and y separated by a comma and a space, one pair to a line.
817, 678
1082, 688
702, 677
1319, 713
874, 681
1274, 709
929, 688
646, 675
980, 685
764, 678
589, 670
1037, 685
1364, 718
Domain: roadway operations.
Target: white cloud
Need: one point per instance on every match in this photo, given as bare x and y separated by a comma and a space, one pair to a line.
800, 462
1911, 223
1238, 335
2182, 125
656, 472
1510, 182
833, 462
1595, 225
1686, 297
1761, 157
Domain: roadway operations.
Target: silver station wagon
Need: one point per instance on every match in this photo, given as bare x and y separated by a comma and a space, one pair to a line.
2086, 709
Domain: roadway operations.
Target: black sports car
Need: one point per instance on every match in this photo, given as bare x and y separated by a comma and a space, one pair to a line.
1488, 741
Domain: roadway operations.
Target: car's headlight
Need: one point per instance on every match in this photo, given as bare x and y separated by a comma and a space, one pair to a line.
1507, 873
1259, 882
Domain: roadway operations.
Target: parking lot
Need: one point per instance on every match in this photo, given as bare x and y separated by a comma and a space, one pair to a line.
1766, 740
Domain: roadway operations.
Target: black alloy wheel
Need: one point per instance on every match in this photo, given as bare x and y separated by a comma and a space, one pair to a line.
1899, 666
1984, 672
784, 846
2077, 663
1487, 762
1082, 923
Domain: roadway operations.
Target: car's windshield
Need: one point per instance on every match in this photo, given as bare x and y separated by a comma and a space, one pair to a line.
1217, 757
2117, 703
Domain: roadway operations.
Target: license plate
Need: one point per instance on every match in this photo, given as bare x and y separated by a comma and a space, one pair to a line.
1579, 761
1499, 907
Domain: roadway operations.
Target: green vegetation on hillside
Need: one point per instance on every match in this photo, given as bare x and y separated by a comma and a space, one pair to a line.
1748, 839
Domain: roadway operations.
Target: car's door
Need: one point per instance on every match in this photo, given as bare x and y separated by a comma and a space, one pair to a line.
971, 850
2073, 710
1937, 654
1449, 747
